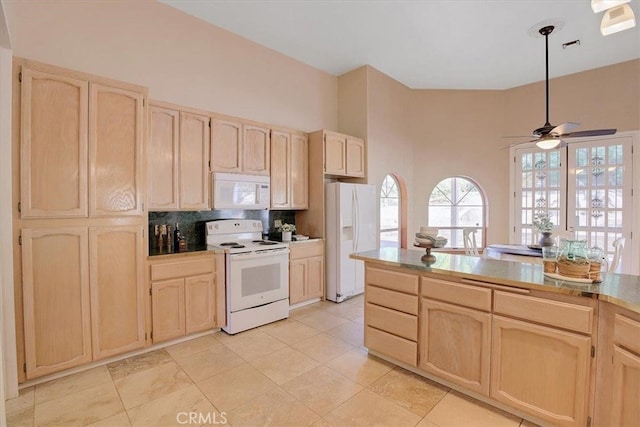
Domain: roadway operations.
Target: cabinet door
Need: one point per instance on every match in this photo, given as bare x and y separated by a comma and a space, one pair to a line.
315, 277
455, 344
299, 176
335, 150
54, 123
115, 151
194, 161
541, 371
297, 281
355, 157
57, 322
226, 146
163, 158
117, 289
200, 299
280, 170
256, 150
167, 309
625, 410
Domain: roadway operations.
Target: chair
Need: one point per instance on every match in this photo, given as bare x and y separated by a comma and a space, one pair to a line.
618, 246
469, 240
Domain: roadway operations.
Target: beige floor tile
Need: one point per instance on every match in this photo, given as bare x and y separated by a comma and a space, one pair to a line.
254, 346
212, 361
337, 309
80, 408
359, 366
322, 347
292, 332
21, 418
275, 324
303, 311
71, 384
349, 332
322, 389
118, 420
190, 347
526, 423
411, 391
322, 321
236, 387
223, 337
426, 423
369, 409
275, 408
25, 400
356, 314
455, 410
175, 409
284, 365
134, 364
141, 387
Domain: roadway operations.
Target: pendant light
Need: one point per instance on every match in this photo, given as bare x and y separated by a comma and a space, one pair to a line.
617, 19
602, 5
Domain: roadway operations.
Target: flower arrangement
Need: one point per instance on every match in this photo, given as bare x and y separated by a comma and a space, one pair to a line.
287, 227
543, 223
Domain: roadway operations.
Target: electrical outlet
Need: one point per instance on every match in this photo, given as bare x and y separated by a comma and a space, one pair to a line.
277, 223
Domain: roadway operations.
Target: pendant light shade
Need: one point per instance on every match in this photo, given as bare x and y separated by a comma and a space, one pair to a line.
548, 143
617, 19
602, 5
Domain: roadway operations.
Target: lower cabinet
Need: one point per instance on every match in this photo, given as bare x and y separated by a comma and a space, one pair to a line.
306, 271
186, 295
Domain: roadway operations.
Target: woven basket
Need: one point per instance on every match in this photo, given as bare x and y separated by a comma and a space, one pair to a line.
576, 269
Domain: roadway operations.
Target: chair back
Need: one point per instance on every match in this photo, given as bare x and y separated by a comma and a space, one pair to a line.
469, 239
618, 246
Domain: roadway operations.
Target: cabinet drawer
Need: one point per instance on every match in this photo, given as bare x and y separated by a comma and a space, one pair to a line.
392, 299
171, 270
306, 250
395, 322
627, 333
390, 345
554, 313
394, 280
457, 293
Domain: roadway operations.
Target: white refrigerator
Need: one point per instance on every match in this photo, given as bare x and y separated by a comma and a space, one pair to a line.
351, 226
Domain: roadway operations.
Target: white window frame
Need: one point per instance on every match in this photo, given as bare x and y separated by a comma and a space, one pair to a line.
399, 207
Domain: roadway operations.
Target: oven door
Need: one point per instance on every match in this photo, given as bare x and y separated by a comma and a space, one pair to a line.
257, 278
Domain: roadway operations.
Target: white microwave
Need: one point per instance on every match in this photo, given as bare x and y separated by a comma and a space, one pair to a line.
236, 191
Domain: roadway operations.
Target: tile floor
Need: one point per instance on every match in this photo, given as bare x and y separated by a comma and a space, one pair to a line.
310, 369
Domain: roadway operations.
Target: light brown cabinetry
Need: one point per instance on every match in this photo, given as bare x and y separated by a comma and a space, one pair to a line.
306, 271
289, 170
179, 144
344, 155
187, 295
239, 147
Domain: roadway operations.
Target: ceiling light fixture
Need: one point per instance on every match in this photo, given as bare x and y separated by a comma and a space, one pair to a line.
602, 5
617, 19
548, 142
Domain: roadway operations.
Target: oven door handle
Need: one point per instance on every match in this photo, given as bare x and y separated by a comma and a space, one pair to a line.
265, 254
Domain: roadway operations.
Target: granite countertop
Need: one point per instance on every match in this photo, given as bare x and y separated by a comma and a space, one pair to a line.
620, 289
191, 250
309, 240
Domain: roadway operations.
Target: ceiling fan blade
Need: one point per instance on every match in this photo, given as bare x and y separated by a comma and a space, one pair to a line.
519, 143
564, 128
592, 132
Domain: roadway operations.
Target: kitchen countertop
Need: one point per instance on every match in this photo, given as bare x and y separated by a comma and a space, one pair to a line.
620, 289
309, 240
192, 249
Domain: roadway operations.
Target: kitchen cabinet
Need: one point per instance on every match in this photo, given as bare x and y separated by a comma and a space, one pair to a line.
344, 155
179, 145
306, 271
187, 295
289, 170
391, 314
455, 333
239, 147
81, 146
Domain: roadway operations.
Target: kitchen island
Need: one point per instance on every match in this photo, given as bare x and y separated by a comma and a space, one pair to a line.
555, 352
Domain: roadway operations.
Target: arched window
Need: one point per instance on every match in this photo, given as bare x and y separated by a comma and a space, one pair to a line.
457, 203
389, 213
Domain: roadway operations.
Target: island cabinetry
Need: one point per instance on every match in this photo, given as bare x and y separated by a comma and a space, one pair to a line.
391, 313
306, 271
179, 141
455, 332
289, 170
541, 356
187, 295
239, 147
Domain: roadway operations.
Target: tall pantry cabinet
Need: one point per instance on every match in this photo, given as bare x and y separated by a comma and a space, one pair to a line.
80, 219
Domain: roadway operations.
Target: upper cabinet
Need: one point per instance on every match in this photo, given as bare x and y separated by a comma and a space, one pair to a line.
289, 170
344, 155
178, 158
238, 147
81, 147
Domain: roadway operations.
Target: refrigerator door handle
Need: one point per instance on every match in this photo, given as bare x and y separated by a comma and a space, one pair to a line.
356, 226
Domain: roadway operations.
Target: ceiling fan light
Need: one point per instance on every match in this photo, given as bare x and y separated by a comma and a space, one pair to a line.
548, 143
602, 5
617, 19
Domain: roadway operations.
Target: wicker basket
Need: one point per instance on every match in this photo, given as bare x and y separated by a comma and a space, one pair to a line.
578, 268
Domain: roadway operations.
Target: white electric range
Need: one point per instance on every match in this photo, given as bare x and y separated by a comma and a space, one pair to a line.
256, 276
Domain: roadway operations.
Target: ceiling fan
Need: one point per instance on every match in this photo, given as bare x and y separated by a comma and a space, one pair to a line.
550, 136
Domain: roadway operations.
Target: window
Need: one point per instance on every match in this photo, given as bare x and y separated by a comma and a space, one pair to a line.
457, 203
389, 212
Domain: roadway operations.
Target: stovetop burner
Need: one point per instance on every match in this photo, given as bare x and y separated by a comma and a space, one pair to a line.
236, 246
232, 244
266, 242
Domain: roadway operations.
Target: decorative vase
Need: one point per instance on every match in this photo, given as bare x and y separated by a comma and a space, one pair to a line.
286, 236
546, 239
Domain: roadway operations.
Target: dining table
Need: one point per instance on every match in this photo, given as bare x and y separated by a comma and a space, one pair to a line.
511, 252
